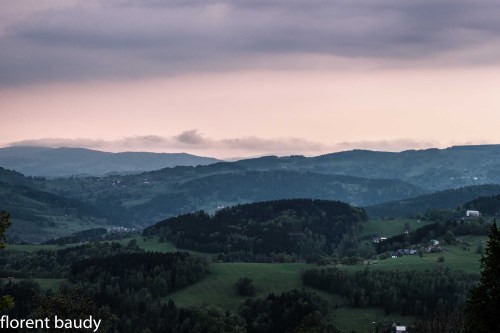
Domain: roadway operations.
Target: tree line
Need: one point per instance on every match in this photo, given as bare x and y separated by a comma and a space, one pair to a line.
56, 263
410, 292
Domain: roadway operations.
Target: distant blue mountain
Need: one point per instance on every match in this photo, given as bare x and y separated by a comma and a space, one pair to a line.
60, 162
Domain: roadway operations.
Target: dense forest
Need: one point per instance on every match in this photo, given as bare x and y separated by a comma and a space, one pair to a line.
410, 292
127, 291
293, 311
252, 232
450, 199
122, 284
489, 205
56, 264
43, 207
159, 273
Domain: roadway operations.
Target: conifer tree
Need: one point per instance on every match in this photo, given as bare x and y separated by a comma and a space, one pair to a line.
483, 306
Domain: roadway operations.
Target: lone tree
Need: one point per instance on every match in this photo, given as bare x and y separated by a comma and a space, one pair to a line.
245, 287
6, 301
483, 305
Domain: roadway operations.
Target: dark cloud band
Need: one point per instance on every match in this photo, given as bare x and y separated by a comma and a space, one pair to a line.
127, 38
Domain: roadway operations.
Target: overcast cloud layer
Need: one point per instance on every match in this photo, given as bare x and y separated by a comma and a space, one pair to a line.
43, 41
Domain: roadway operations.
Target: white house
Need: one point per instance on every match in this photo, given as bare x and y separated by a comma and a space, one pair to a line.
472, 213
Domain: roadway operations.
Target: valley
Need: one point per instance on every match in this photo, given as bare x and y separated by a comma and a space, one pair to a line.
177, 241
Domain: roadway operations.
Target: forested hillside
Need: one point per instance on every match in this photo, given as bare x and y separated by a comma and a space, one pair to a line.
254, 232
39, 215
489, 205
48, 208
431, 169
122, 285
143, 199
448, 199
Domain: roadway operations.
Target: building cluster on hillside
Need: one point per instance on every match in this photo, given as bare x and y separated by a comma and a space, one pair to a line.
377, 240
403, 252
119, 229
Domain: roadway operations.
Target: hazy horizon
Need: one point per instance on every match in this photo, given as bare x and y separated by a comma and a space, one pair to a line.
236, 158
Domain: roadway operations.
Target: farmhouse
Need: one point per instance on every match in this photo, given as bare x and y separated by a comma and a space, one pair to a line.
472, 213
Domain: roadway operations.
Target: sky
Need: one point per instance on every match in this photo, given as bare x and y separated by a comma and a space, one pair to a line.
249, 78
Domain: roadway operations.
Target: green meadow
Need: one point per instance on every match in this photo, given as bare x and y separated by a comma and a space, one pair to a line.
52, 284
363, 320
388, 228
218, 288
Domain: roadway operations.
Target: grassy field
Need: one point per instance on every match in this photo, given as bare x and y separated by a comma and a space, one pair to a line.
453, 259
218, 287
153, 245
388, 228
362, 320
52, 284
460, 256
36, 247
31, 232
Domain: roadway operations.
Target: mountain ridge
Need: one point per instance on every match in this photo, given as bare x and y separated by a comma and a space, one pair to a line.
65, 162
432, 169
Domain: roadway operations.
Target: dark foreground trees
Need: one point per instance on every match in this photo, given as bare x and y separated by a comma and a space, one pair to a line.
483, 306
6, 301
291, 311
4, 224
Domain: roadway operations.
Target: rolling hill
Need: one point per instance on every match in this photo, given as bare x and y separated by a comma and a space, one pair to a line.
254, 232
431, 169
38, 215
381, 181
140, 200
227, 189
